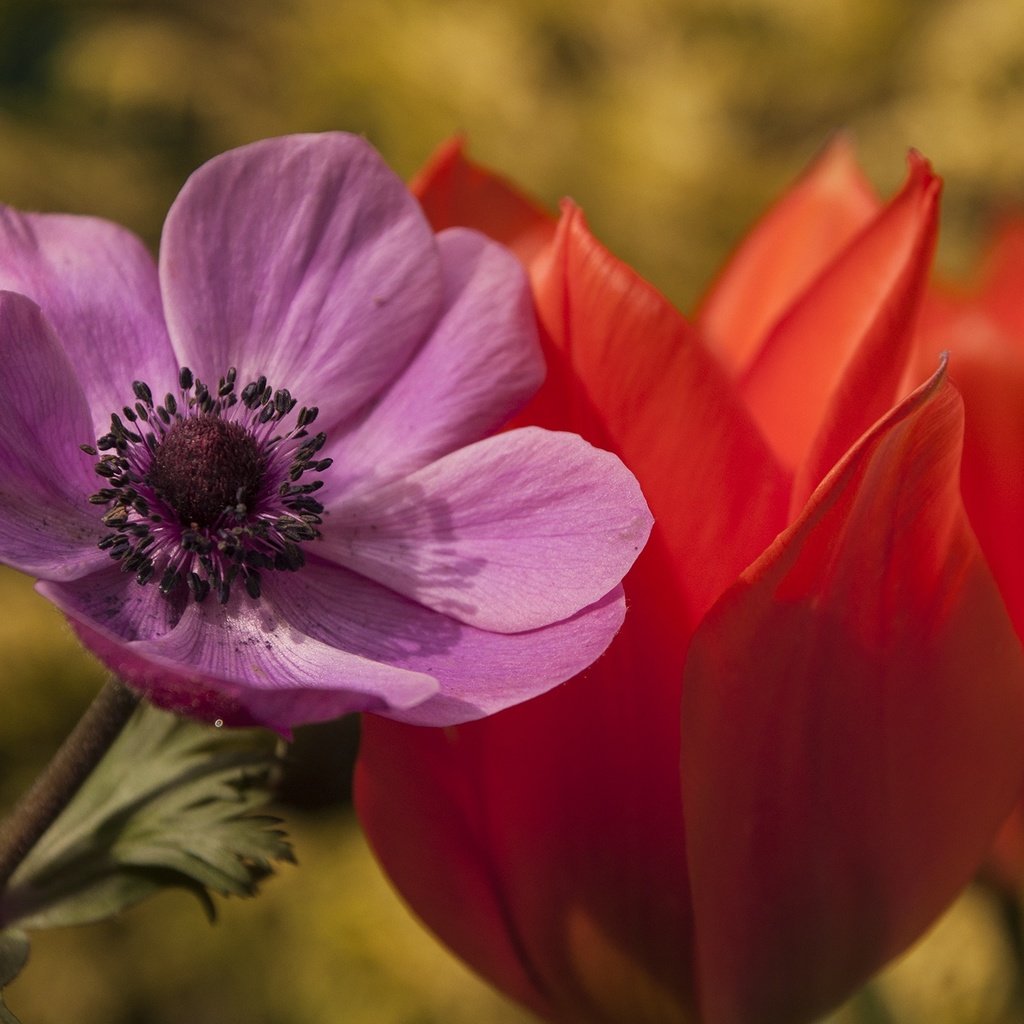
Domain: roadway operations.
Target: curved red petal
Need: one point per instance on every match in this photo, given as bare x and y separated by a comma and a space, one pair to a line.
846, 342
1002, 275
419, 793
988, 368
871, 380
980, 323
627, 372
455, 192
789, 247
851, 729
984, 336
545, 845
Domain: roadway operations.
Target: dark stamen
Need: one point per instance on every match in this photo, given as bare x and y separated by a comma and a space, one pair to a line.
207, 497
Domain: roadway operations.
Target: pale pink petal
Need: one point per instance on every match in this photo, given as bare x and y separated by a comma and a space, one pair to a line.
304, 259
480, 365
512, 533
47, 528
479, 672
323, 642
240, 662
97, 285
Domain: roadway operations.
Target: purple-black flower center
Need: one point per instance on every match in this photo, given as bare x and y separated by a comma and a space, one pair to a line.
204, 466
204, 489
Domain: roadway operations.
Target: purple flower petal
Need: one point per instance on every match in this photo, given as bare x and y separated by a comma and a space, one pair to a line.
97, 286
304, 259
478, 368
46, 528
479, 672
509, 534
241, 663
111, 600
278, 663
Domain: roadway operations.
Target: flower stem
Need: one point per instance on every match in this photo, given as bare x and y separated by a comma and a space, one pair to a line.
85, 746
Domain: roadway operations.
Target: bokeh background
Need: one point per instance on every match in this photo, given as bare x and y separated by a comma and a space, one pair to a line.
673, 122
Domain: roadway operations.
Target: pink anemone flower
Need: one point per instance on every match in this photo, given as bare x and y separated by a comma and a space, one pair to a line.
261, 478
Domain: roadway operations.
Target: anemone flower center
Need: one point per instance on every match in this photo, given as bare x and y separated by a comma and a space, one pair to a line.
204, 488
204, 466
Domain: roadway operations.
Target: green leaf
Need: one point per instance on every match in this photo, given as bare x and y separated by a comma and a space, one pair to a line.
171, 804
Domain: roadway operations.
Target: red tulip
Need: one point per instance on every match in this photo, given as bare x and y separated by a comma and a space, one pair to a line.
981, 323
813, 600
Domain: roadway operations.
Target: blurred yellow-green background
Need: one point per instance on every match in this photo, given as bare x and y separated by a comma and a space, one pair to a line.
673, 123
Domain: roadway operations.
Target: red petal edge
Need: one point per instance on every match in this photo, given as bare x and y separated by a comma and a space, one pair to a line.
455, 192
851, 729
784, 252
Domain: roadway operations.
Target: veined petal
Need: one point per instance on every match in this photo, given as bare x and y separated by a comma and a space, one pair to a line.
844, 765
834, 362
242, 663
112, 600
304, 259
322, 643
480, 365
511, 533
97, 286
455, 192
478, 672
627, 372
47, 528
791, 246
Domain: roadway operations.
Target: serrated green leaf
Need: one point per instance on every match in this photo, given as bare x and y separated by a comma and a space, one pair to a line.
171, 804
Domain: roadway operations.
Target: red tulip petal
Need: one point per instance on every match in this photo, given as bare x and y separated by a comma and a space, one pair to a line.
546, 844
419, 793
988, 368
813, 368
872, 378
1005, 863
1003, 275
851, 721
627, 372
455, 192
986, 363
790, 246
